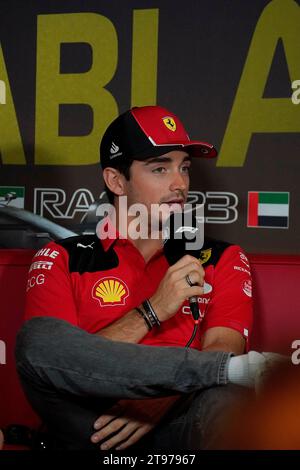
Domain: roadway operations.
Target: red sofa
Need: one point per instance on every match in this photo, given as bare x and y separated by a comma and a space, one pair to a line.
276, 320
14, 264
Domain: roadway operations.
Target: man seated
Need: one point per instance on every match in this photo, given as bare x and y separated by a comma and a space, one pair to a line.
102, 357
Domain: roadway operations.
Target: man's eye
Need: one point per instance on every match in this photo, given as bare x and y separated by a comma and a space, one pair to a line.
160, 169
185, 169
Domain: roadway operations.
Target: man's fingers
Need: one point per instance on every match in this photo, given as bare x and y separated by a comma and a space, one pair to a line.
104, 419
186, 260
135, 437
198, 272
121, 436
127, 433
192, 291
113, 426
194, 277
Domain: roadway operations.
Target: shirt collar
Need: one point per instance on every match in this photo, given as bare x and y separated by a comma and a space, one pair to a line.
107, 233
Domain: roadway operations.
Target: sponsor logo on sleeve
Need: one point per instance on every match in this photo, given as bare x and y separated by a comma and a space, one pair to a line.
247, 287
35, 281
47, 252
41, 265
243, 270
244, 259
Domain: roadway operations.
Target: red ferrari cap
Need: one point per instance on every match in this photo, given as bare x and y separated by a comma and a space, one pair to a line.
146, 132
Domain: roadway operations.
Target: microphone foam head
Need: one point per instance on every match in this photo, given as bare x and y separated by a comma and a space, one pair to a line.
181, 233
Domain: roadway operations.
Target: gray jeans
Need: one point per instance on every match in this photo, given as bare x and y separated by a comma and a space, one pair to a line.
71, 377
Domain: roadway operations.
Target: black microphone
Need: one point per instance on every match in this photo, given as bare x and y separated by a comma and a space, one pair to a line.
183, 239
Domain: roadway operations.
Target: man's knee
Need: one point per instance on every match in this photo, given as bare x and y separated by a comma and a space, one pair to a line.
34, 339
210, 412
217, 401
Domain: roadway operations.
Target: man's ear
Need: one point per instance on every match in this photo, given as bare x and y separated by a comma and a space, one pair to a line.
114, 180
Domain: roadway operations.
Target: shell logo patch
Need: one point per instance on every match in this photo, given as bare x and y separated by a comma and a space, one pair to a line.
247, 287
204, 255
169, 123
110, 291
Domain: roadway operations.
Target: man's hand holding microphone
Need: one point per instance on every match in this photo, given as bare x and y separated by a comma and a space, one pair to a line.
183, 280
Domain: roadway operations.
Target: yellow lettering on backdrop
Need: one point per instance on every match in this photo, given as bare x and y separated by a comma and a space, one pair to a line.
144, 57
2, 92
251, 112
11, 146
54, 88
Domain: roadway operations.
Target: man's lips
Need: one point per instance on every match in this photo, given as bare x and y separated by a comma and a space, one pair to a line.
174, 201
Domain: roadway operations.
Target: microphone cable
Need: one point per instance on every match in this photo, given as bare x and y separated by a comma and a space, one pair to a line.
196, 324
195, 312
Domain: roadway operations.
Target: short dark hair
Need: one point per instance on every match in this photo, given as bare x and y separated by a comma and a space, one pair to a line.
124, 169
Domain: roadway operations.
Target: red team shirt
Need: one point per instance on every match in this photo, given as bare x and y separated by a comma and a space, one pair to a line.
91, 283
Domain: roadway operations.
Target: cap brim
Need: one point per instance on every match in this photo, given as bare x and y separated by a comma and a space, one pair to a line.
201, 149
193, 148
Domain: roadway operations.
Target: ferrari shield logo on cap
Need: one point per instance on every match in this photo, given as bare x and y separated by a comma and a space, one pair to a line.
170, 123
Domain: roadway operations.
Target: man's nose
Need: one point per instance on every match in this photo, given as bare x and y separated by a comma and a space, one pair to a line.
178, 182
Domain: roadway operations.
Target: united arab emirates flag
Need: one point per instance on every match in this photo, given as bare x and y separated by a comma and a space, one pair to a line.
267, 209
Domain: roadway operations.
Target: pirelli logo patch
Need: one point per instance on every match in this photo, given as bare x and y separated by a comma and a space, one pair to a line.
110, 291
41, 265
